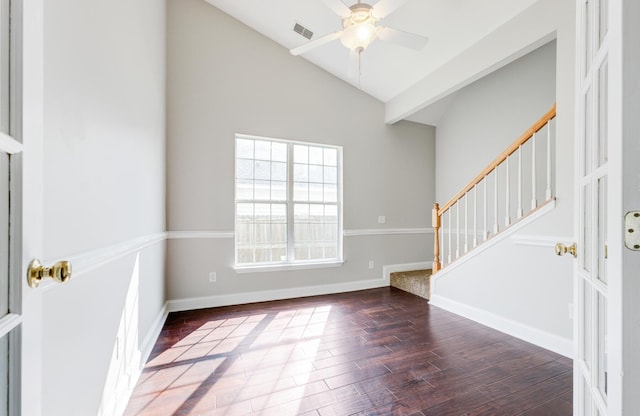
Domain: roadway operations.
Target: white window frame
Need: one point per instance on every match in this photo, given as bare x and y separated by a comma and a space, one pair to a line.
290, 263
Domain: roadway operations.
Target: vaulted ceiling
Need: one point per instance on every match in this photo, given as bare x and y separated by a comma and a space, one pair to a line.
387, 69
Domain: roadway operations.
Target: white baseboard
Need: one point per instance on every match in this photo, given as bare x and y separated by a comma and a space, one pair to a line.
152, 336
176, 305
138, 365
555, 343
406, 267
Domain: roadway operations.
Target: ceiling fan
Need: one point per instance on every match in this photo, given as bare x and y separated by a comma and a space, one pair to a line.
360, 28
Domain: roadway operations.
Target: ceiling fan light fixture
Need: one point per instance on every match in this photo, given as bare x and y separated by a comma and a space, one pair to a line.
358, 36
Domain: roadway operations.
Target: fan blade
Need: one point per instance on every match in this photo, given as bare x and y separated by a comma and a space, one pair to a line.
338, 7
384, 8
315, 43
406, 39
354, 64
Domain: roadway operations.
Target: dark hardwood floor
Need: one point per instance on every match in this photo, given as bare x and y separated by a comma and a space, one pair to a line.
374, 352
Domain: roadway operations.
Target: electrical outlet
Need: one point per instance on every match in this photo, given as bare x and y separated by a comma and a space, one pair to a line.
371, 264
212, 277
382, 219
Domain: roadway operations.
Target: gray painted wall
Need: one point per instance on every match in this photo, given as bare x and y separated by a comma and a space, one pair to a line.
104, 185
525, 285
488, 115
217, 88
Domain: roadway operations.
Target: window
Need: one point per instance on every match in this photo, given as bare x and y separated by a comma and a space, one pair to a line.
288, 197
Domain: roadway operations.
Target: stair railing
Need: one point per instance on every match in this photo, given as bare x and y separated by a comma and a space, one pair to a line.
463, 222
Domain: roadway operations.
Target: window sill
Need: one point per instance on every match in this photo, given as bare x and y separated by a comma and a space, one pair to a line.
290, 266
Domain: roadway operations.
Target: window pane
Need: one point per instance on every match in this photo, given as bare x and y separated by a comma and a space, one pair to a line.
330, 157
4, 234
279, 213
604, 19
262, 169
244, 169
588, 133
278, 152
300, 191
602, 347
330, 175
316, 192
244, 189
300, 172
603, 114
262, 190
263, 150
330, 193
279, 171
587, 34
587, 325
244, 213
602, 229
300, 154
301, 213
4, 374
262, 213
278, 191
5, 80
316, 174
244, 148
315, 155
587, 229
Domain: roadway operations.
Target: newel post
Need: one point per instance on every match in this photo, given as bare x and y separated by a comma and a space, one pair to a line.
435, 223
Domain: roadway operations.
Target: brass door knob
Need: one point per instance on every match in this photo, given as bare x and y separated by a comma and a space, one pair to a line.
561, 249
60, 272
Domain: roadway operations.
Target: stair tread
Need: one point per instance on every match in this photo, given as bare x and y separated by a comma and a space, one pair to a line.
414, 281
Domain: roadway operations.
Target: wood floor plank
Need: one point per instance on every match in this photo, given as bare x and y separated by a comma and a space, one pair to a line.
375, 352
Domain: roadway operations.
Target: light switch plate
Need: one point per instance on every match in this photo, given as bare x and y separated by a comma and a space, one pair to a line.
632, 230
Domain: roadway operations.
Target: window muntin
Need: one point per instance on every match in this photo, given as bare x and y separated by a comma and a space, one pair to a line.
287, 202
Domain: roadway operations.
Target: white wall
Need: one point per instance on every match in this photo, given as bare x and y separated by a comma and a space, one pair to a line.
224, 78
514, 285
104, 193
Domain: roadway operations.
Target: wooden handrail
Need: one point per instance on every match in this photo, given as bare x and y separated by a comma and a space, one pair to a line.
501, 158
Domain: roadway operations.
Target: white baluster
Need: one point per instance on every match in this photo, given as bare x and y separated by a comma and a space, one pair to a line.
475, 215
507, 217
548, 192
519, 213
534, 202
495, 200
450, 237
466, 222
458, 229
485, 214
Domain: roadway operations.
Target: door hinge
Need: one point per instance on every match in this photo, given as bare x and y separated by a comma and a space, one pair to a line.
632, 230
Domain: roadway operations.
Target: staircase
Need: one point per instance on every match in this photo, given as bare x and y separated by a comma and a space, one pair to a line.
515, 186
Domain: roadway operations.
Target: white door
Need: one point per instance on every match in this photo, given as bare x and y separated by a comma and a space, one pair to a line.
607, 283
592, 274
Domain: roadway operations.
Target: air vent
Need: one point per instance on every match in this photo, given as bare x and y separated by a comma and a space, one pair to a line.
298, 28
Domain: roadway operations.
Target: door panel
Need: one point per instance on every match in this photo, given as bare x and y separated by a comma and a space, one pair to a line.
591, 277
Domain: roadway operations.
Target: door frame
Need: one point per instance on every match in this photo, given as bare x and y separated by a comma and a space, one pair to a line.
625, 197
